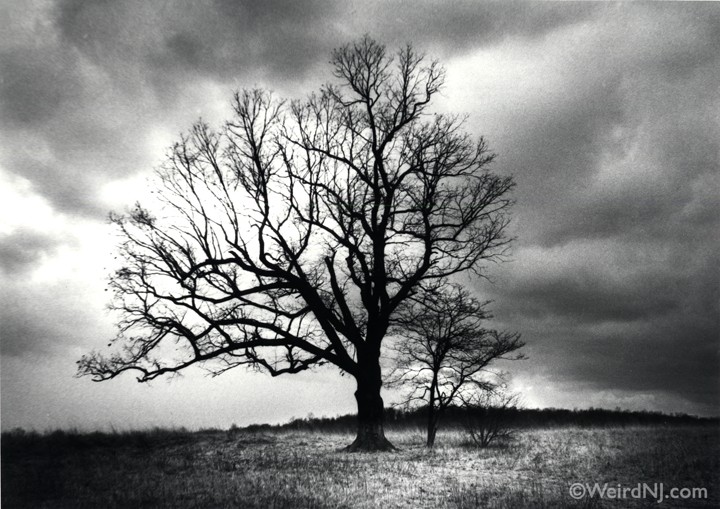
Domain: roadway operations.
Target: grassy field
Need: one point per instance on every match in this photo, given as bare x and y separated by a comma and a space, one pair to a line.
303, 469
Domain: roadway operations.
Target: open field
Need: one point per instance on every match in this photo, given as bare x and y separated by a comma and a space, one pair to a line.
303, 469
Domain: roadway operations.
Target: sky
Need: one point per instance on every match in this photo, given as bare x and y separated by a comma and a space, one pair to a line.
606, 114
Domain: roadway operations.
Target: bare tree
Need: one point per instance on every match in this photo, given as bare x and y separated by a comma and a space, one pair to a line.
289, 237
444, 350
487, 415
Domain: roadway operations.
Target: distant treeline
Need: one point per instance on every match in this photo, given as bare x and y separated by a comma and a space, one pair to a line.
395, 419
399, 419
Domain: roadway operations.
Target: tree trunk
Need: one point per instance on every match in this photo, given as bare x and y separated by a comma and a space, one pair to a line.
370, 433
431, 425
432, 418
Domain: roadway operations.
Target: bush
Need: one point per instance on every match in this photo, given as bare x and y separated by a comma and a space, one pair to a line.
488, 417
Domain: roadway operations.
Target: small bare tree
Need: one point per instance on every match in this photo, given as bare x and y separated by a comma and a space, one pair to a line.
487, 415
443, 350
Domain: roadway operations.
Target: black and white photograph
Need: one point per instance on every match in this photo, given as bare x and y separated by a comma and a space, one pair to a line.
378, 254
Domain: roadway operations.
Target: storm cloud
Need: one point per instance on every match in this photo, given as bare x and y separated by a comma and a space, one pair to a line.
606, 114
615, 271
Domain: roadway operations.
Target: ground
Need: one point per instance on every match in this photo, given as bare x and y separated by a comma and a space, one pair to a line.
306, 469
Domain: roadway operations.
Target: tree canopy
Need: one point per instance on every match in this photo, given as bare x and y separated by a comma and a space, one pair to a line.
290, 236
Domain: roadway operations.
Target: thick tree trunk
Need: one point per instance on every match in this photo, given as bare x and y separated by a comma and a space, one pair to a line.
370, 433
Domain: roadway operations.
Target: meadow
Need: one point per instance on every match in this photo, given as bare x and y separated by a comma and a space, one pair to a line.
305, 469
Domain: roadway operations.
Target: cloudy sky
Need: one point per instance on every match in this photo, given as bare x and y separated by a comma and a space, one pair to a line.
606, 114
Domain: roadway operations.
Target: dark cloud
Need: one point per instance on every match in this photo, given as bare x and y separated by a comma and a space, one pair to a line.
619, 316
645, 318
52, 316
622, 155
590, 296
187, 50
22, 332
172, 44
34, 86
674, 355
21, 251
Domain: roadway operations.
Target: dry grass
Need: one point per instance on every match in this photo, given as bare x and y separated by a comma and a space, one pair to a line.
304, 470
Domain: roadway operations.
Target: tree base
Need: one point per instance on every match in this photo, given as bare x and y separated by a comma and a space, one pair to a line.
370, 432
370, 444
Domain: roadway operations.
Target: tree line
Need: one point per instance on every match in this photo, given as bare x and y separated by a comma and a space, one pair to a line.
398, 419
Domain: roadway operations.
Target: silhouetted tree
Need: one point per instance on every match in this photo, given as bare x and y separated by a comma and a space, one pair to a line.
289, 237
444, 350
488, 415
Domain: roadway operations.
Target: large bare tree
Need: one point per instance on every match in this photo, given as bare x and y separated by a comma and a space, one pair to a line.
444, 351
289, 237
